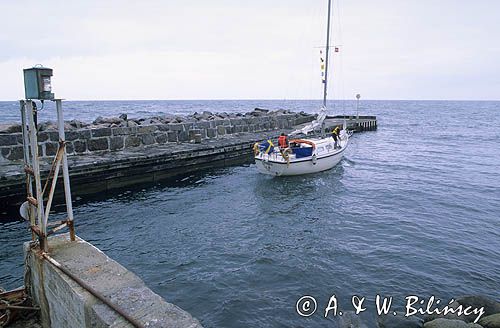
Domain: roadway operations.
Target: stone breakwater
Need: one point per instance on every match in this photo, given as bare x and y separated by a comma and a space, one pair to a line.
120, 133
113, 153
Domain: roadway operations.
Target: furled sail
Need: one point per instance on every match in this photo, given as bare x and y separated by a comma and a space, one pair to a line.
316, 124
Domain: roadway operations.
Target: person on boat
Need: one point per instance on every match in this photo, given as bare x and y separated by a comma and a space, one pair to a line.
266, 147
335, 135
283, 141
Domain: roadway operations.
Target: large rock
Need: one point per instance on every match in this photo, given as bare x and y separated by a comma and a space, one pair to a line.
8, 140
491, 321
451, 316
51, 148
172, 136
390, 321
148, 139
14, 128
490, 305
206, 113
4, 127
196, 116
49, 125
16, 153
80, 146
107, 120
350, 320
447, 323
103, 132
116, 143
132, 141
161, 137
167, 118
149, 121
77, 124
131, 124
203, 116
280, 112
98, 144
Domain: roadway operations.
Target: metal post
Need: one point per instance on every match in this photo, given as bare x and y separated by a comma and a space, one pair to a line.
57, 164
36, 173
25, 132
325, 86
27, 164
67, 188
357, 106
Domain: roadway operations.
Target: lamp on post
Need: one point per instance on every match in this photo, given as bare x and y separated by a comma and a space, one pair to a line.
357, 105
38, 85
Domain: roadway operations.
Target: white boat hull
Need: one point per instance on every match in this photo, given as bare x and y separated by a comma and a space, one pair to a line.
275, 164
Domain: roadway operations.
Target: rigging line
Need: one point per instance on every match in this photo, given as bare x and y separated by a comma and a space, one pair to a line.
333, 57
327, 56
341, 55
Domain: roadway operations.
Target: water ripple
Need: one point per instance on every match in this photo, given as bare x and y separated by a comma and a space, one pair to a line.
412, 209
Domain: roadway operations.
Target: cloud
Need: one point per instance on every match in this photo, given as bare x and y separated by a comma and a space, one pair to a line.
260, 49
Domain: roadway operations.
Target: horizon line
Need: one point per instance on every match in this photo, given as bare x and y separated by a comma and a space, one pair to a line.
265, 99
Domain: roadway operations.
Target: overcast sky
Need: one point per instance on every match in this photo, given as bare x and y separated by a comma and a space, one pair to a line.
260, 49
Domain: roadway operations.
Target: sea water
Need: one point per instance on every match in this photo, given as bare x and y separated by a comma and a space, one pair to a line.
412, 209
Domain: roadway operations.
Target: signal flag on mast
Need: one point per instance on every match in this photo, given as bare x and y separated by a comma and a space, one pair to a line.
322, 61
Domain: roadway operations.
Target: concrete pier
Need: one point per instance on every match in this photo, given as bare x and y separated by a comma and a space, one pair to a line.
357, 123
64, 303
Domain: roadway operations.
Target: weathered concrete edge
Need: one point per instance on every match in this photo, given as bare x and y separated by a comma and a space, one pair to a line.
64, 303
115, 170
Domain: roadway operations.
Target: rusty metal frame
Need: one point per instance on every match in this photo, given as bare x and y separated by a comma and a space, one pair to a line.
39, 221
39, 211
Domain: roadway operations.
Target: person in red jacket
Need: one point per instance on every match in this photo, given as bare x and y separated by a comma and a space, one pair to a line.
283, 141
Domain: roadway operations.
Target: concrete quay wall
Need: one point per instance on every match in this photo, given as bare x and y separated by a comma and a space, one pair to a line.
91, 140
94, 173
64, 303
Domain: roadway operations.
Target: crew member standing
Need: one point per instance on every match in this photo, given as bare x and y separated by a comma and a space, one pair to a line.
336, 137
283, 141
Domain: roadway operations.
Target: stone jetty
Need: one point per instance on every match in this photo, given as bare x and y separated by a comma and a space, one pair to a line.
116, 152
120, 151
118, 133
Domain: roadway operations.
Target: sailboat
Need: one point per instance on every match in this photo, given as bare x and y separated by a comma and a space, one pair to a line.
303, 155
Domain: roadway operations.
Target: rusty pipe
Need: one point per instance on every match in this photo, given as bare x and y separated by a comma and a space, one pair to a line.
94, 292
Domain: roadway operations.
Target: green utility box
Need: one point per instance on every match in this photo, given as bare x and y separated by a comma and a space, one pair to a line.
37, 84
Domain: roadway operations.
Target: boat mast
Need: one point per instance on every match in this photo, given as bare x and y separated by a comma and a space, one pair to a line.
325, 83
